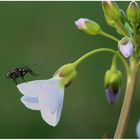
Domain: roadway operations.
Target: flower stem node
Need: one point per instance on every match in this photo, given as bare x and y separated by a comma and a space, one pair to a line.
126, 47
111, 10
112, 85
88, 26
133, 11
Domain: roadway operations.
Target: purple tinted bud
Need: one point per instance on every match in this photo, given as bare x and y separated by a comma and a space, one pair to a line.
80, 23
126, 47
111, 95
138, 129
88, 26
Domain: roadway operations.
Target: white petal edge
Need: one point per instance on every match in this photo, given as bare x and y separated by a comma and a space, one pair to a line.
34, 88
51, 105
30, 102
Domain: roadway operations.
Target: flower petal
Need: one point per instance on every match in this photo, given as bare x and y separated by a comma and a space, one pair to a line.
111, 96
126, 47
34, 88
80, 23
46, 95
30, 102
138, 129
126, 50
51, 104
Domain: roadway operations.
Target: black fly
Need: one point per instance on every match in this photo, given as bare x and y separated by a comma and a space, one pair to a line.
20, 71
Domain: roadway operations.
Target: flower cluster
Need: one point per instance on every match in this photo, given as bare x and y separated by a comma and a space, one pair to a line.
47, 95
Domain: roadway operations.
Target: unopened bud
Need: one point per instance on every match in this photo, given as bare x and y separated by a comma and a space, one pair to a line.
112, 85
126, 47
68, 80
132, 11
88, 26
65, 70
110, 22
67, 73
111, 10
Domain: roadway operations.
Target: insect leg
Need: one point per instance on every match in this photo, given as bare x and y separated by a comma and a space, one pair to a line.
23, 78
32, 73
15, 81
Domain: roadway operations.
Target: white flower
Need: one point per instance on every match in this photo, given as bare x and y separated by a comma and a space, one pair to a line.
46, 96
138, 129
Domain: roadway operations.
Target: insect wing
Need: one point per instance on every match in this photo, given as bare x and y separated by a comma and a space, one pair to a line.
30, 102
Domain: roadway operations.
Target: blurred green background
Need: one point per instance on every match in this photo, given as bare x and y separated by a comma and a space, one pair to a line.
45, 31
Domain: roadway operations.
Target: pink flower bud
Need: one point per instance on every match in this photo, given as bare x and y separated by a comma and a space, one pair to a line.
80, 23
126, 47
88, 26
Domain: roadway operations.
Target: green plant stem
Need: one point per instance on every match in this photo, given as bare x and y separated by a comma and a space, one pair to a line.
114, 62
124, 115
84, 57
109, 36
135, 36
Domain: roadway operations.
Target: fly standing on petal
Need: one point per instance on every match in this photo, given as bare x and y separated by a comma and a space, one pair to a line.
47, 95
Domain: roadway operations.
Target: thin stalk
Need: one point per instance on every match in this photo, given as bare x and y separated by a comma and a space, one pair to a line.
84, 57
136, 36
130, 88
114, 62
109, 36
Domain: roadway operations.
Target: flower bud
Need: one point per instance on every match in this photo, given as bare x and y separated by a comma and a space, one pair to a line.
88, 26
126, 47
67, 73
65, 70
112, 85
110, 22
68, 80
132, 11
111, 10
